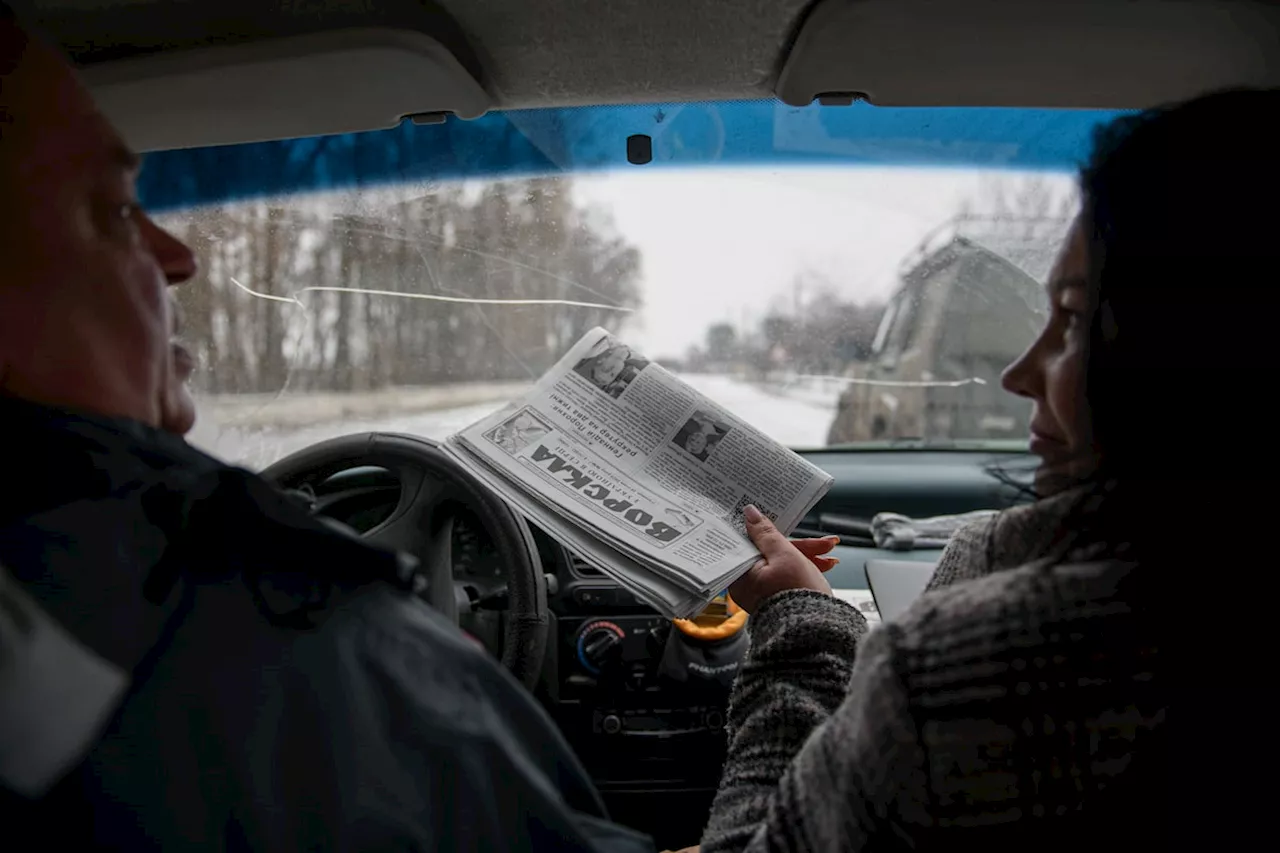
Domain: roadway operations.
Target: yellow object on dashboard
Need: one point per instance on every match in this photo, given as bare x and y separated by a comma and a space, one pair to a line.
721, 619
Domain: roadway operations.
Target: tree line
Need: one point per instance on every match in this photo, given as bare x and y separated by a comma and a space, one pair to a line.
822, 335
282, 298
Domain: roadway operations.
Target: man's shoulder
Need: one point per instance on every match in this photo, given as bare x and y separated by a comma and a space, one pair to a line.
379, 614
370, 641
400, 638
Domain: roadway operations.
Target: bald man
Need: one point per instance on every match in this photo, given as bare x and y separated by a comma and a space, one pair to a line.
152, 694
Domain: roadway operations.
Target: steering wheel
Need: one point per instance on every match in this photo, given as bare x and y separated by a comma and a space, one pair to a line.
432, 487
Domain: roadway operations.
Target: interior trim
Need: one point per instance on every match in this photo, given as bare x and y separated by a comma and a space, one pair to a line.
283, 88
1013, 53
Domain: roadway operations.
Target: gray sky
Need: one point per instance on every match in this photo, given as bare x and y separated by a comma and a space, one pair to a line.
723, 244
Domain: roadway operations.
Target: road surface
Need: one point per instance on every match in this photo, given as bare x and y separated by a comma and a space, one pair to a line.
797, 420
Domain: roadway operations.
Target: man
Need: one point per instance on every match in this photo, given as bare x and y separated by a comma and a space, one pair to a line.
189, 659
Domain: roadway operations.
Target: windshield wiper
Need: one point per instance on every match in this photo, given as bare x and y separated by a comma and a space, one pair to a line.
989, 445
923, 443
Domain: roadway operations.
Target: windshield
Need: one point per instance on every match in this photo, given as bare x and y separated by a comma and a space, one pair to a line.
869, 293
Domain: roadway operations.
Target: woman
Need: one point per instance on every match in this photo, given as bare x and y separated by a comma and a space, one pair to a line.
1029, 708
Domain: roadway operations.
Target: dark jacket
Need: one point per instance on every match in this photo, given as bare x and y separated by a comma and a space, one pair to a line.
287, 691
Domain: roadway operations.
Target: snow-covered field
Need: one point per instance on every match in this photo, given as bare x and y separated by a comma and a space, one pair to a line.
798, 417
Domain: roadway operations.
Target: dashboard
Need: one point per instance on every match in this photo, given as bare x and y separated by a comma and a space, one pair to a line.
643, 707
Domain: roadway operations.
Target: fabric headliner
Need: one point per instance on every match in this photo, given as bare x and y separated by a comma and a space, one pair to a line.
533, 52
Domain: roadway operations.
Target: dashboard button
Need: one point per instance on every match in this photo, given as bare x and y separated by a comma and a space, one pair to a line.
656, 640
637, 677
588, 596
611, 724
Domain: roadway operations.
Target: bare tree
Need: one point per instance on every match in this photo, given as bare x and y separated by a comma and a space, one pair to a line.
258, 324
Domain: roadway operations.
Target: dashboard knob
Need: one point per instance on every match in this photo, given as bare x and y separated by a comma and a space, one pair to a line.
656, 640
611, 724
599, 646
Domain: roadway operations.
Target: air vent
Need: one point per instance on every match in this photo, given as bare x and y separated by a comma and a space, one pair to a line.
582, 568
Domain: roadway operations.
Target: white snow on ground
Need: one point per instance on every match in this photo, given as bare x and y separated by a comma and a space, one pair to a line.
796, 417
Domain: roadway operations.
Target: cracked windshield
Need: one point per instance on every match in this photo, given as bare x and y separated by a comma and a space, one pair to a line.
840, 304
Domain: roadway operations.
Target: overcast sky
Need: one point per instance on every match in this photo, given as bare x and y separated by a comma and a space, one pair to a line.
722, 244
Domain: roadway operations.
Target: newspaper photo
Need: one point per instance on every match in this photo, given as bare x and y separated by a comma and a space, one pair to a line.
638, 473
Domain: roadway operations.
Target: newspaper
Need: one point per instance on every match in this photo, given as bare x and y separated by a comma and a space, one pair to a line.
638, 473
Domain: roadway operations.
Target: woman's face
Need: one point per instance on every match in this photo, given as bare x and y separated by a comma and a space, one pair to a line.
609, 366
696, 442
1051, 373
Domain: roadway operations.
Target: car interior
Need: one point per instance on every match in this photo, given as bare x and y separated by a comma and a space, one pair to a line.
236, 100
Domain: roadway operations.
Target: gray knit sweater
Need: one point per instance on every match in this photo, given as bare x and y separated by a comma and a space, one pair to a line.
1020, 708
1009, 539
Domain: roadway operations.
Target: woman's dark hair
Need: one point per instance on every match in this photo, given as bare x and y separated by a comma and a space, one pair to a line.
1181, 210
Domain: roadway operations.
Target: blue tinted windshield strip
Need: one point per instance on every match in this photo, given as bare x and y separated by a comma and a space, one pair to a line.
588, 138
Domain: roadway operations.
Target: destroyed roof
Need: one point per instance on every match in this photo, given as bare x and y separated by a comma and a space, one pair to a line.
1029, 244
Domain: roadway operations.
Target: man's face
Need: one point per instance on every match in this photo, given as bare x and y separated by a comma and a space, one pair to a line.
85, 318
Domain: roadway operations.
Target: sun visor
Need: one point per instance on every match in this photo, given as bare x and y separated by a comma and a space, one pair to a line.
1014, 53
309, 85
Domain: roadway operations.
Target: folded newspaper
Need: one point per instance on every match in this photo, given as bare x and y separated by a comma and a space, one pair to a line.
638, 473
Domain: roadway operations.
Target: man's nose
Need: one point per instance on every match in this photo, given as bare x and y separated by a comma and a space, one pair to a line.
174, 256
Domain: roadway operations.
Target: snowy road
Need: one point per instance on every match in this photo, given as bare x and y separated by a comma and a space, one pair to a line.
794, 422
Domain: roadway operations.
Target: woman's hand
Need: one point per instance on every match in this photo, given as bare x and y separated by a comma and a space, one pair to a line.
785, 564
